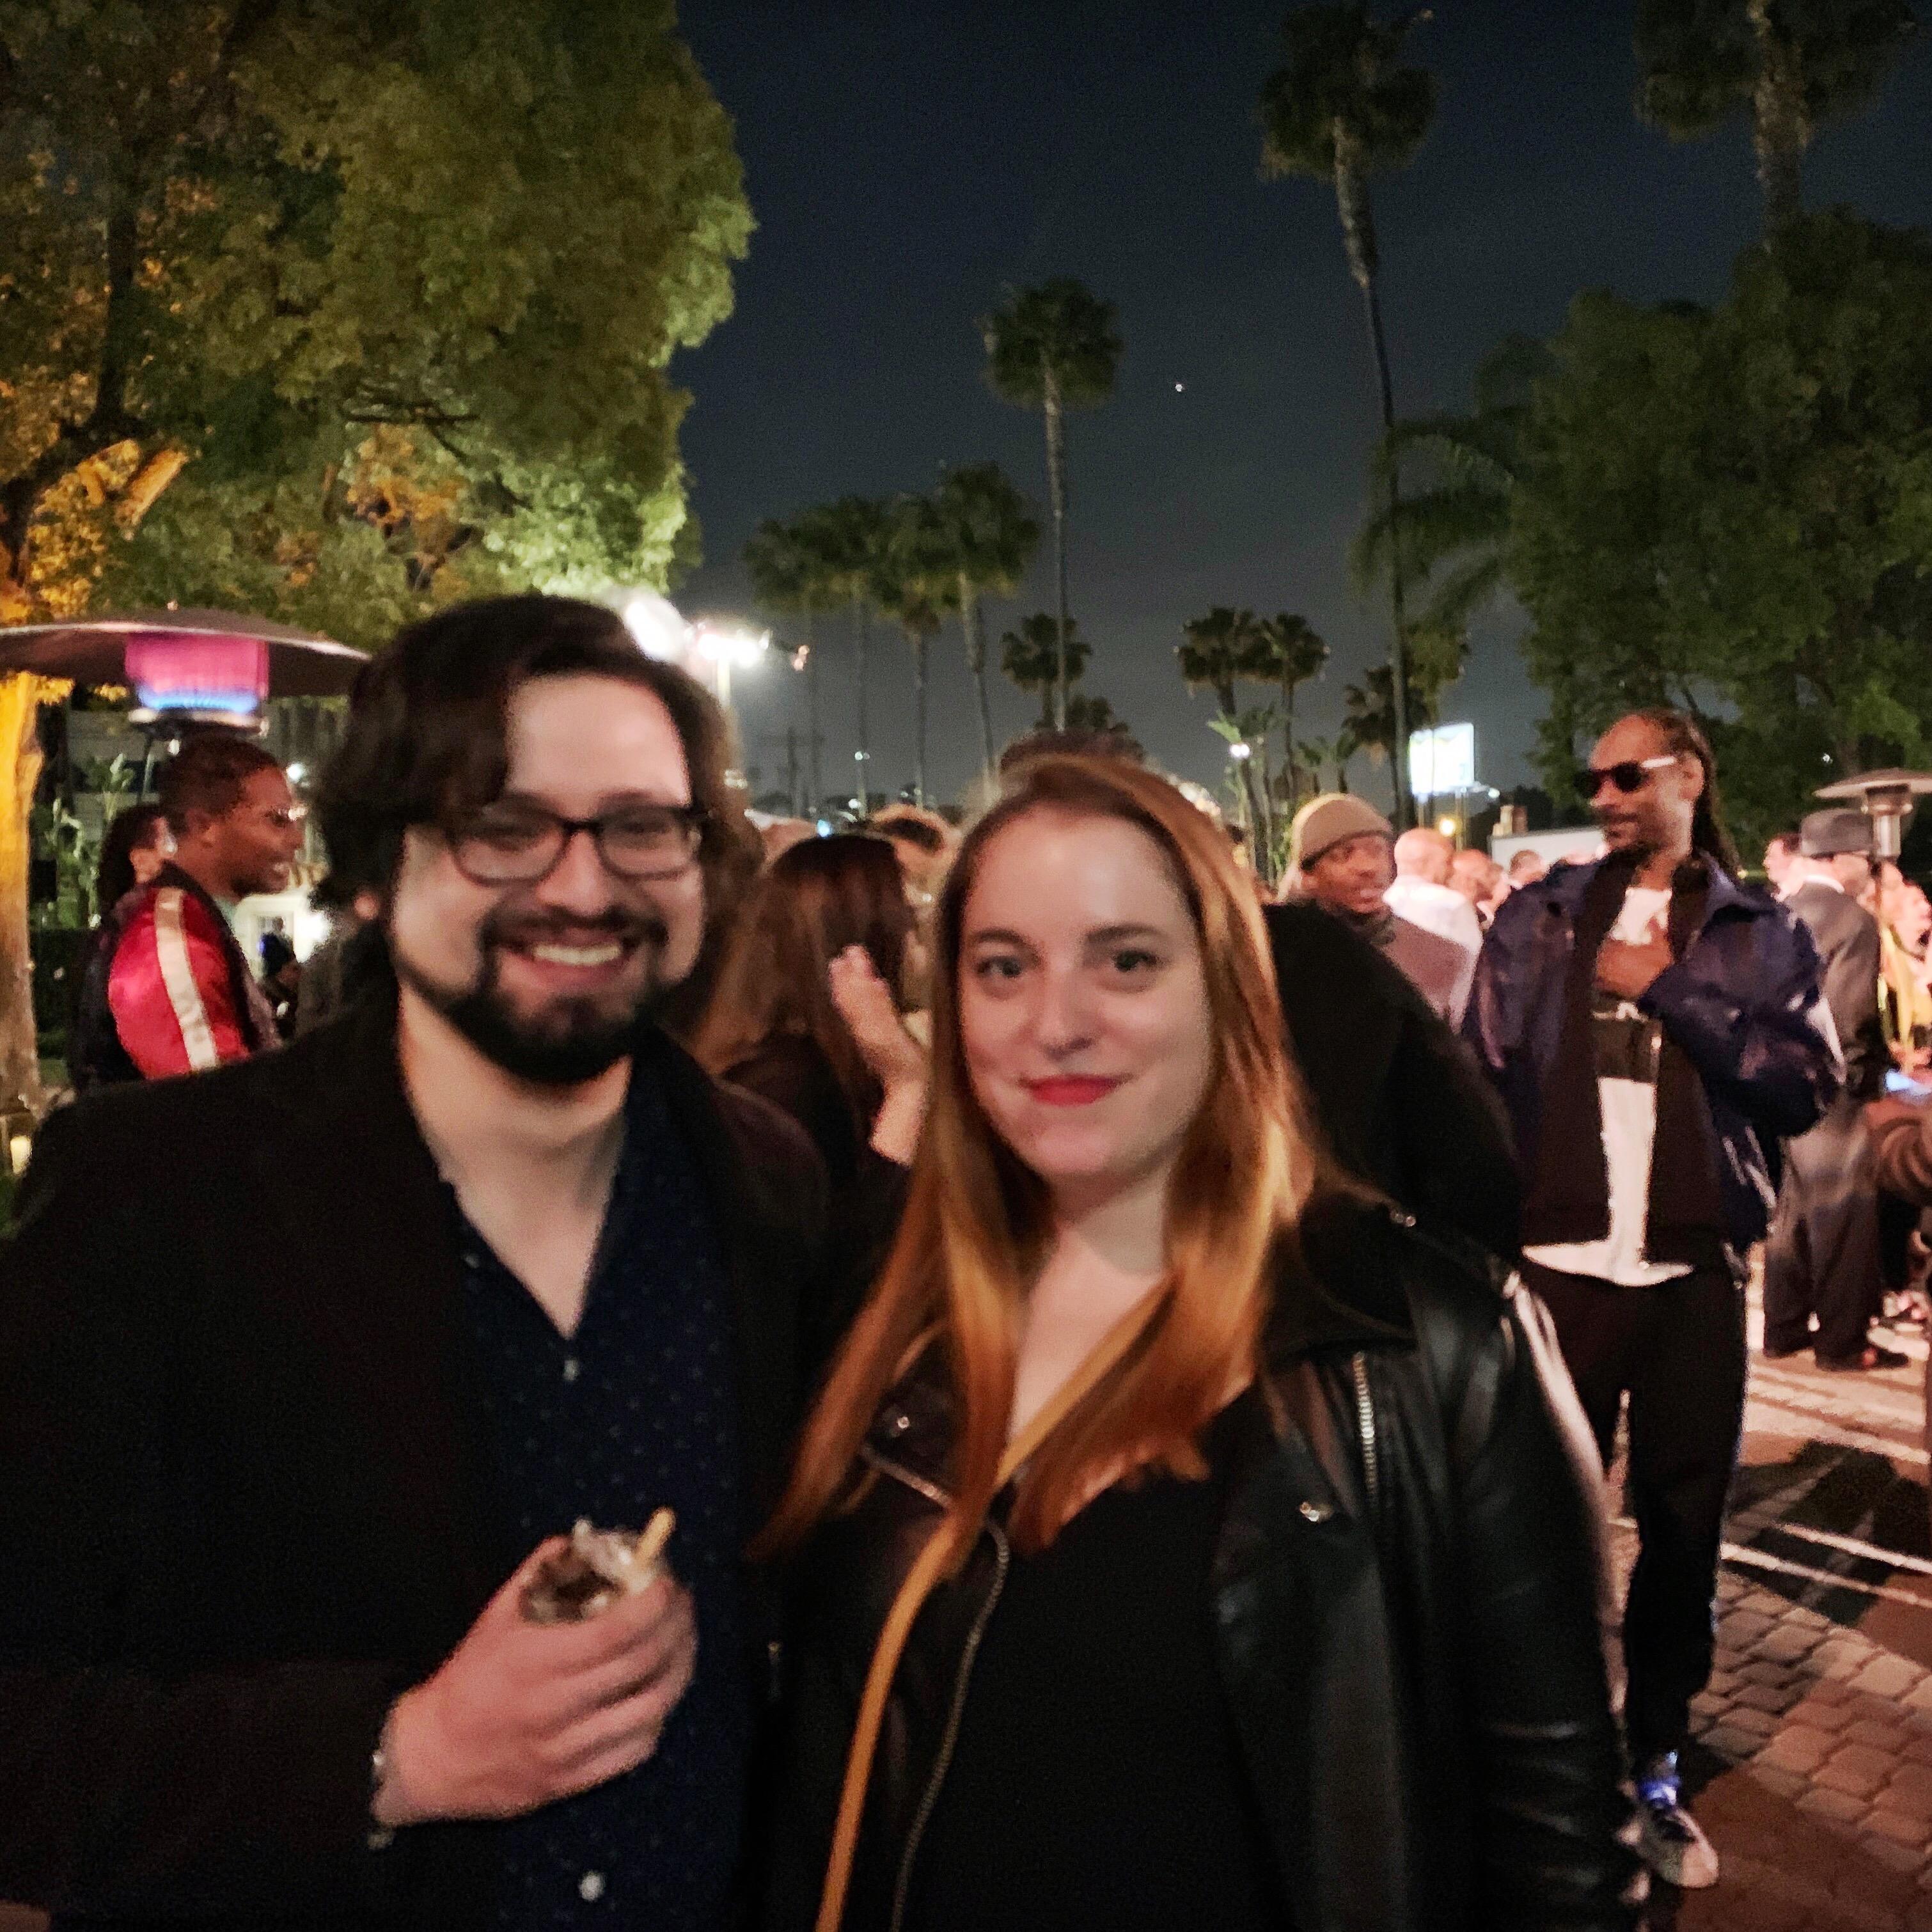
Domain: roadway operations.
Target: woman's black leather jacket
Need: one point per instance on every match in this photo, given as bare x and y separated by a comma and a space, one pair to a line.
1406, 1584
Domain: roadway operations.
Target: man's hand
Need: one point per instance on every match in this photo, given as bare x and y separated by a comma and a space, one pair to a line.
1628, 971
522, 1713
897, 1061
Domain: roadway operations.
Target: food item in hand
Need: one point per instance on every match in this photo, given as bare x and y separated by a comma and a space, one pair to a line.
599, 1567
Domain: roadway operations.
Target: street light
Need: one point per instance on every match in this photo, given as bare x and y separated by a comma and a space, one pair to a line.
723, 644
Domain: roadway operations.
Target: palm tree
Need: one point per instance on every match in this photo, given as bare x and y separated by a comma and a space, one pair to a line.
1793, 64
1295, 654
794, 568
1216, 652
852, 533
1033, 655
915, 579
1340, 107
1460, 525
993, 535
1317, 754
1054, 348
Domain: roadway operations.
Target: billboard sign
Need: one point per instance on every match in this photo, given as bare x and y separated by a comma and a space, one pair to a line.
1442, 761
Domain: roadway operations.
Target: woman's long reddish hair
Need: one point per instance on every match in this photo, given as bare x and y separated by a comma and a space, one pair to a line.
978, 1223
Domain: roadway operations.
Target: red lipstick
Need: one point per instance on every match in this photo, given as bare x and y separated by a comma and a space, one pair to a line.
1071, 1089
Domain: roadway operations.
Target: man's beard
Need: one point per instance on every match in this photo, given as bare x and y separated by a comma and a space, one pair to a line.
573, 1040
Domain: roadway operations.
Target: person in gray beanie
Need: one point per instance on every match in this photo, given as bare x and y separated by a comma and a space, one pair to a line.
1342, 856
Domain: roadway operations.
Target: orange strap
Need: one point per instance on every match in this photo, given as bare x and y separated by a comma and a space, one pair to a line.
920, 1579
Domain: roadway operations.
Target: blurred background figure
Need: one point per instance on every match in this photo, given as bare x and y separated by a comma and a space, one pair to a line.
924, 843
1423, 894
133, 849
281, 981
1905, 990
1481, 880
1779, 851
1525, 869
777, 836
772, 1026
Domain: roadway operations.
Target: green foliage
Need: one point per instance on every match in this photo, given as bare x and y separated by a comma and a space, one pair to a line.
989, 526
1731, 511
1030, 656
1058, 338
400, 287
1342, 97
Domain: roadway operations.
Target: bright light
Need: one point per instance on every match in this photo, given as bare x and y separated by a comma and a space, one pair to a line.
1447, 826
723, 643
657, 624
297, 772
1240, 749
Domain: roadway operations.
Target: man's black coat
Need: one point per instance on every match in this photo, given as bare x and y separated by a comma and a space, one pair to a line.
243, 1486
1400, 1098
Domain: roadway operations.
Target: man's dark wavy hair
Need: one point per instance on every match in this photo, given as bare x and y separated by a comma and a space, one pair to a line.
1684, 737
426, 742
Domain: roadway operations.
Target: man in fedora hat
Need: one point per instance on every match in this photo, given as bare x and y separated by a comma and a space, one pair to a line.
1822, 1259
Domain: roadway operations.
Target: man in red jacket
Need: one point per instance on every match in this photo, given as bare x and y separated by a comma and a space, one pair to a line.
169, 990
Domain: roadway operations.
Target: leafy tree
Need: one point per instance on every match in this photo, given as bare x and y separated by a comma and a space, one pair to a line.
1217, 652
992, 534
1791, 64
1295, 654
1731, 511
1089, 711
1341, 107
335, 314
794, 569
1054, 348
1455, 533
1319, 754
915, 581
1033, 655
849, 537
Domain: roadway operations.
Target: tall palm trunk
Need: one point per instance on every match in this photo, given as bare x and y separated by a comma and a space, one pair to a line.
917, 639
1224, 696
812, 705
1781, 131
1056, 484
864, 761
974, 626
1358, 235
1288, 736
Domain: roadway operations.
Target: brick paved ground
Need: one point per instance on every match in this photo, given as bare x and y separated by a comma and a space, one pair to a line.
1812, 1762
1814, 1755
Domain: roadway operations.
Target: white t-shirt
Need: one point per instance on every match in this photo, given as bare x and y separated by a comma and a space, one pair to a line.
1629, 1131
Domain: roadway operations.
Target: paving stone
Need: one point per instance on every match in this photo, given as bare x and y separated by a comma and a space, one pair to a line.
1762, 1670
1821, 1714
1739, 1629
1760, 1724
1879, 1733
1854, 1769
1728, 1742
1902, 1860
1888, 1677
1774, 1699
1903, 1827
1786, 1644
1919, 1697
1775, 1778
1838, 1806
1799, 1748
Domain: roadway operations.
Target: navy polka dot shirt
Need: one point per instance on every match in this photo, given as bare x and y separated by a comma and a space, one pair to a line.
635, 1411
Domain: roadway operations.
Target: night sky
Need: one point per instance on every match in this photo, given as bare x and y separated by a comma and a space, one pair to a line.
907, 161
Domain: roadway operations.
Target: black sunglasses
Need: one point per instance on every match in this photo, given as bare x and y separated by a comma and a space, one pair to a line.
1628, 775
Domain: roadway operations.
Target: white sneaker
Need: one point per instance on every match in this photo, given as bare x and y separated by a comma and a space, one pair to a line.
1669, 1840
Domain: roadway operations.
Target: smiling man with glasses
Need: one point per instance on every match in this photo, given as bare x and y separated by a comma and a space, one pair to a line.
378, 1318
1656, 1030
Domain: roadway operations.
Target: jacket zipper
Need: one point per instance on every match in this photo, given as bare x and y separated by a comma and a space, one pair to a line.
1365, 1422
1003, 1557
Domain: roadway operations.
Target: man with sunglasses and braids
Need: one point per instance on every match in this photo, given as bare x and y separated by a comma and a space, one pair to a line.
1656, 1030
290, 1424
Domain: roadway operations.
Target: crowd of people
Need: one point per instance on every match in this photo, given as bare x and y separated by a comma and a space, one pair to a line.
1132, 1366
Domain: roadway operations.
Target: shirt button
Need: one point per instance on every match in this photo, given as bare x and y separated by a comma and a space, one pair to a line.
590, 1887
572, 1368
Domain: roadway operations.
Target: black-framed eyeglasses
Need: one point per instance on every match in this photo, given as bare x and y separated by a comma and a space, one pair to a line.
514, 843
1628, 775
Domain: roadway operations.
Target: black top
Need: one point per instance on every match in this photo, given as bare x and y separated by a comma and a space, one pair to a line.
635, 1410
1097, 1781
791, 1070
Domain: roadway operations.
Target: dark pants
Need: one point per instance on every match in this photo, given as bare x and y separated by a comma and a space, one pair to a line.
1678, 1351
1821, 1257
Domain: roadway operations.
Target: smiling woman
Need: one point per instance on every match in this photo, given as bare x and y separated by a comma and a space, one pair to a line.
1102, 1501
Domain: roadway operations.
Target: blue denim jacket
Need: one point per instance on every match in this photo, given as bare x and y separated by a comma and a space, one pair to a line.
1743, 1003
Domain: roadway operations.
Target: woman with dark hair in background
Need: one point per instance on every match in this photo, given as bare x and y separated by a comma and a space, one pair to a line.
772, 1026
